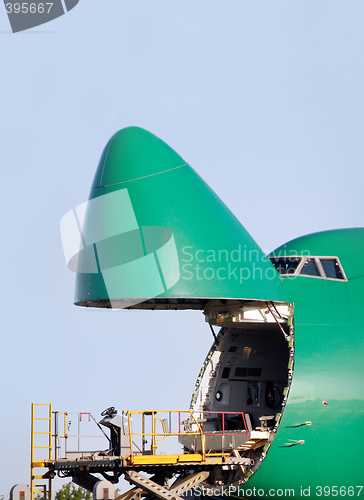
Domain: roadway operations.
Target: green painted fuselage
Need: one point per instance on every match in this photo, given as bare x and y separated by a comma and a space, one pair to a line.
162, 191
328, 317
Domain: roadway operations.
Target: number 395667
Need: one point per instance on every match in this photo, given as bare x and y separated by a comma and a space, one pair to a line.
28, 8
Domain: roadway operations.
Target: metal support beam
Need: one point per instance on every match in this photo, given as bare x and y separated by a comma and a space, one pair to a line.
133, 494
85, 480
150, 486
189, 482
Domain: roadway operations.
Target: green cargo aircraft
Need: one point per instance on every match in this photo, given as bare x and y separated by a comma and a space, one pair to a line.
286, 367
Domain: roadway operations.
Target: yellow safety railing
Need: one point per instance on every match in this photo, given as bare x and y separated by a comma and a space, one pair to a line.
192, 425
64, 413
57, 429
154, 434
204, 435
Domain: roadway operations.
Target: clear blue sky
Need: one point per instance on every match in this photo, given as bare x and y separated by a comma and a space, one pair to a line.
263, 98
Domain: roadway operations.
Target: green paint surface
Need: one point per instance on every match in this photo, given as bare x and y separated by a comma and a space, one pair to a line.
165, 192
328, 367
217, 256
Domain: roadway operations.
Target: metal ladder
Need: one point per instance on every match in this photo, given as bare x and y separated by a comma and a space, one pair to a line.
36, 444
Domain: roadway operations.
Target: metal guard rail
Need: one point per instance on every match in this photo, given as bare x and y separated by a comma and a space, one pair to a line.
191, 421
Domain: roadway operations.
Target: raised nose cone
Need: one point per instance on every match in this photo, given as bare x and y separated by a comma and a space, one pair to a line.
134, 153
155, 235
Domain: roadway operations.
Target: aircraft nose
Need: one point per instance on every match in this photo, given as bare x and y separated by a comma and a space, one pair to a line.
153, 229
134, 153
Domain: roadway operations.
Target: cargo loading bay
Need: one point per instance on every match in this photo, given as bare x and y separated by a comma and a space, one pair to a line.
235, 411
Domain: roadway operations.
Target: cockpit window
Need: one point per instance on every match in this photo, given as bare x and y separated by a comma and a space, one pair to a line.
332, 268
319, 267
286, 265
310, 268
